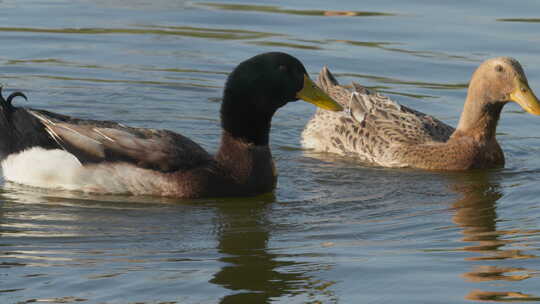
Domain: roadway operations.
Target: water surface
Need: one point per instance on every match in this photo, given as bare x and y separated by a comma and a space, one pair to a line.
335, 230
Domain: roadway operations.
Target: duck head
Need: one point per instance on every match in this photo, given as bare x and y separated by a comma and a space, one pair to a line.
502, 79
259, 86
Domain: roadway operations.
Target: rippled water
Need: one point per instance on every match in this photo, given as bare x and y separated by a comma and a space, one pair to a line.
334, 231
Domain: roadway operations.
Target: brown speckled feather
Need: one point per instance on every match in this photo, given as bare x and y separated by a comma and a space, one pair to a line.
370, 125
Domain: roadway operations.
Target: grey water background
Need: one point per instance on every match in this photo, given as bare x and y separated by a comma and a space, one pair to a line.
335, 230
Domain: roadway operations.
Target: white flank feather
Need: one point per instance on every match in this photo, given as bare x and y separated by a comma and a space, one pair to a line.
58, 169
42, 168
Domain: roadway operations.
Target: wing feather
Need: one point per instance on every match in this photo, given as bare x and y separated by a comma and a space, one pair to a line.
104, 141
370, 123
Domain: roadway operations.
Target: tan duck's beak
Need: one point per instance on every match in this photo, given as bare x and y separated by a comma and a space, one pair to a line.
313, 94
525, 97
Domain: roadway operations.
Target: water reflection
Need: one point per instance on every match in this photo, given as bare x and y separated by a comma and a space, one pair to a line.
530, 20
252, 271
388, 46
476, 214
186, 31
286, 44
279, 10
419, 84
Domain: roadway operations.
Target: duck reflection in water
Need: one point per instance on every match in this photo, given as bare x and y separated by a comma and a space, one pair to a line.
476, 214
251, 271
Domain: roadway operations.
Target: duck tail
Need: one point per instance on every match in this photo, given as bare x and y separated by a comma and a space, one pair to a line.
6, 106
326, 80
7, 132
19, 130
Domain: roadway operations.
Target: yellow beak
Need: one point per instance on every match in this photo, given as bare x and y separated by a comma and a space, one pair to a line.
313, 94
525, 97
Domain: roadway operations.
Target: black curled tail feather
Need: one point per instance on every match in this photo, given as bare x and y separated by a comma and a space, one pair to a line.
13, 95
8, 133
6, 104
7, 107
20, 130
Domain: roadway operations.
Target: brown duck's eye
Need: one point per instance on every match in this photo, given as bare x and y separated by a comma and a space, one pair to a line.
523, 89
499, 68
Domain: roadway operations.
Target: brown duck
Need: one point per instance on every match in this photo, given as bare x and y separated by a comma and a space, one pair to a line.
376, 129
44, 149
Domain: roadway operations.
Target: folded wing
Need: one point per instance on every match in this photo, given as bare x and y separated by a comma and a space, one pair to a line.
383, 118
93, 141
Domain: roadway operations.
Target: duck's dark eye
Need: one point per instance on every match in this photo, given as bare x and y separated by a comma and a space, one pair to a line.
283, 68
499, 68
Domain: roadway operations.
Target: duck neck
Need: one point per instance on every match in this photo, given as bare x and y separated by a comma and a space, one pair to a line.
250, 166
244, 150
479, 117
243, 120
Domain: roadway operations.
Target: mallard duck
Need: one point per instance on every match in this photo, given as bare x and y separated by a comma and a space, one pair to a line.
44, 149
378, 130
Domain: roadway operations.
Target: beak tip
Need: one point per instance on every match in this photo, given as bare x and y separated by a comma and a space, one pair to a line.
525, 97
315, 95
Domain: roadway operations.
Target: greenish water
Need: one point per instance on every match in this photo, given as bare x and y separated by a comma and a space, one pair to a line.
334, 231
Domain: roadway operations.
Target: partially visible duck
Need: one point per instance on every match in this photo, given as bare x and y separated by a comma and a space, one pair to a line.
376, 129
45, 149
